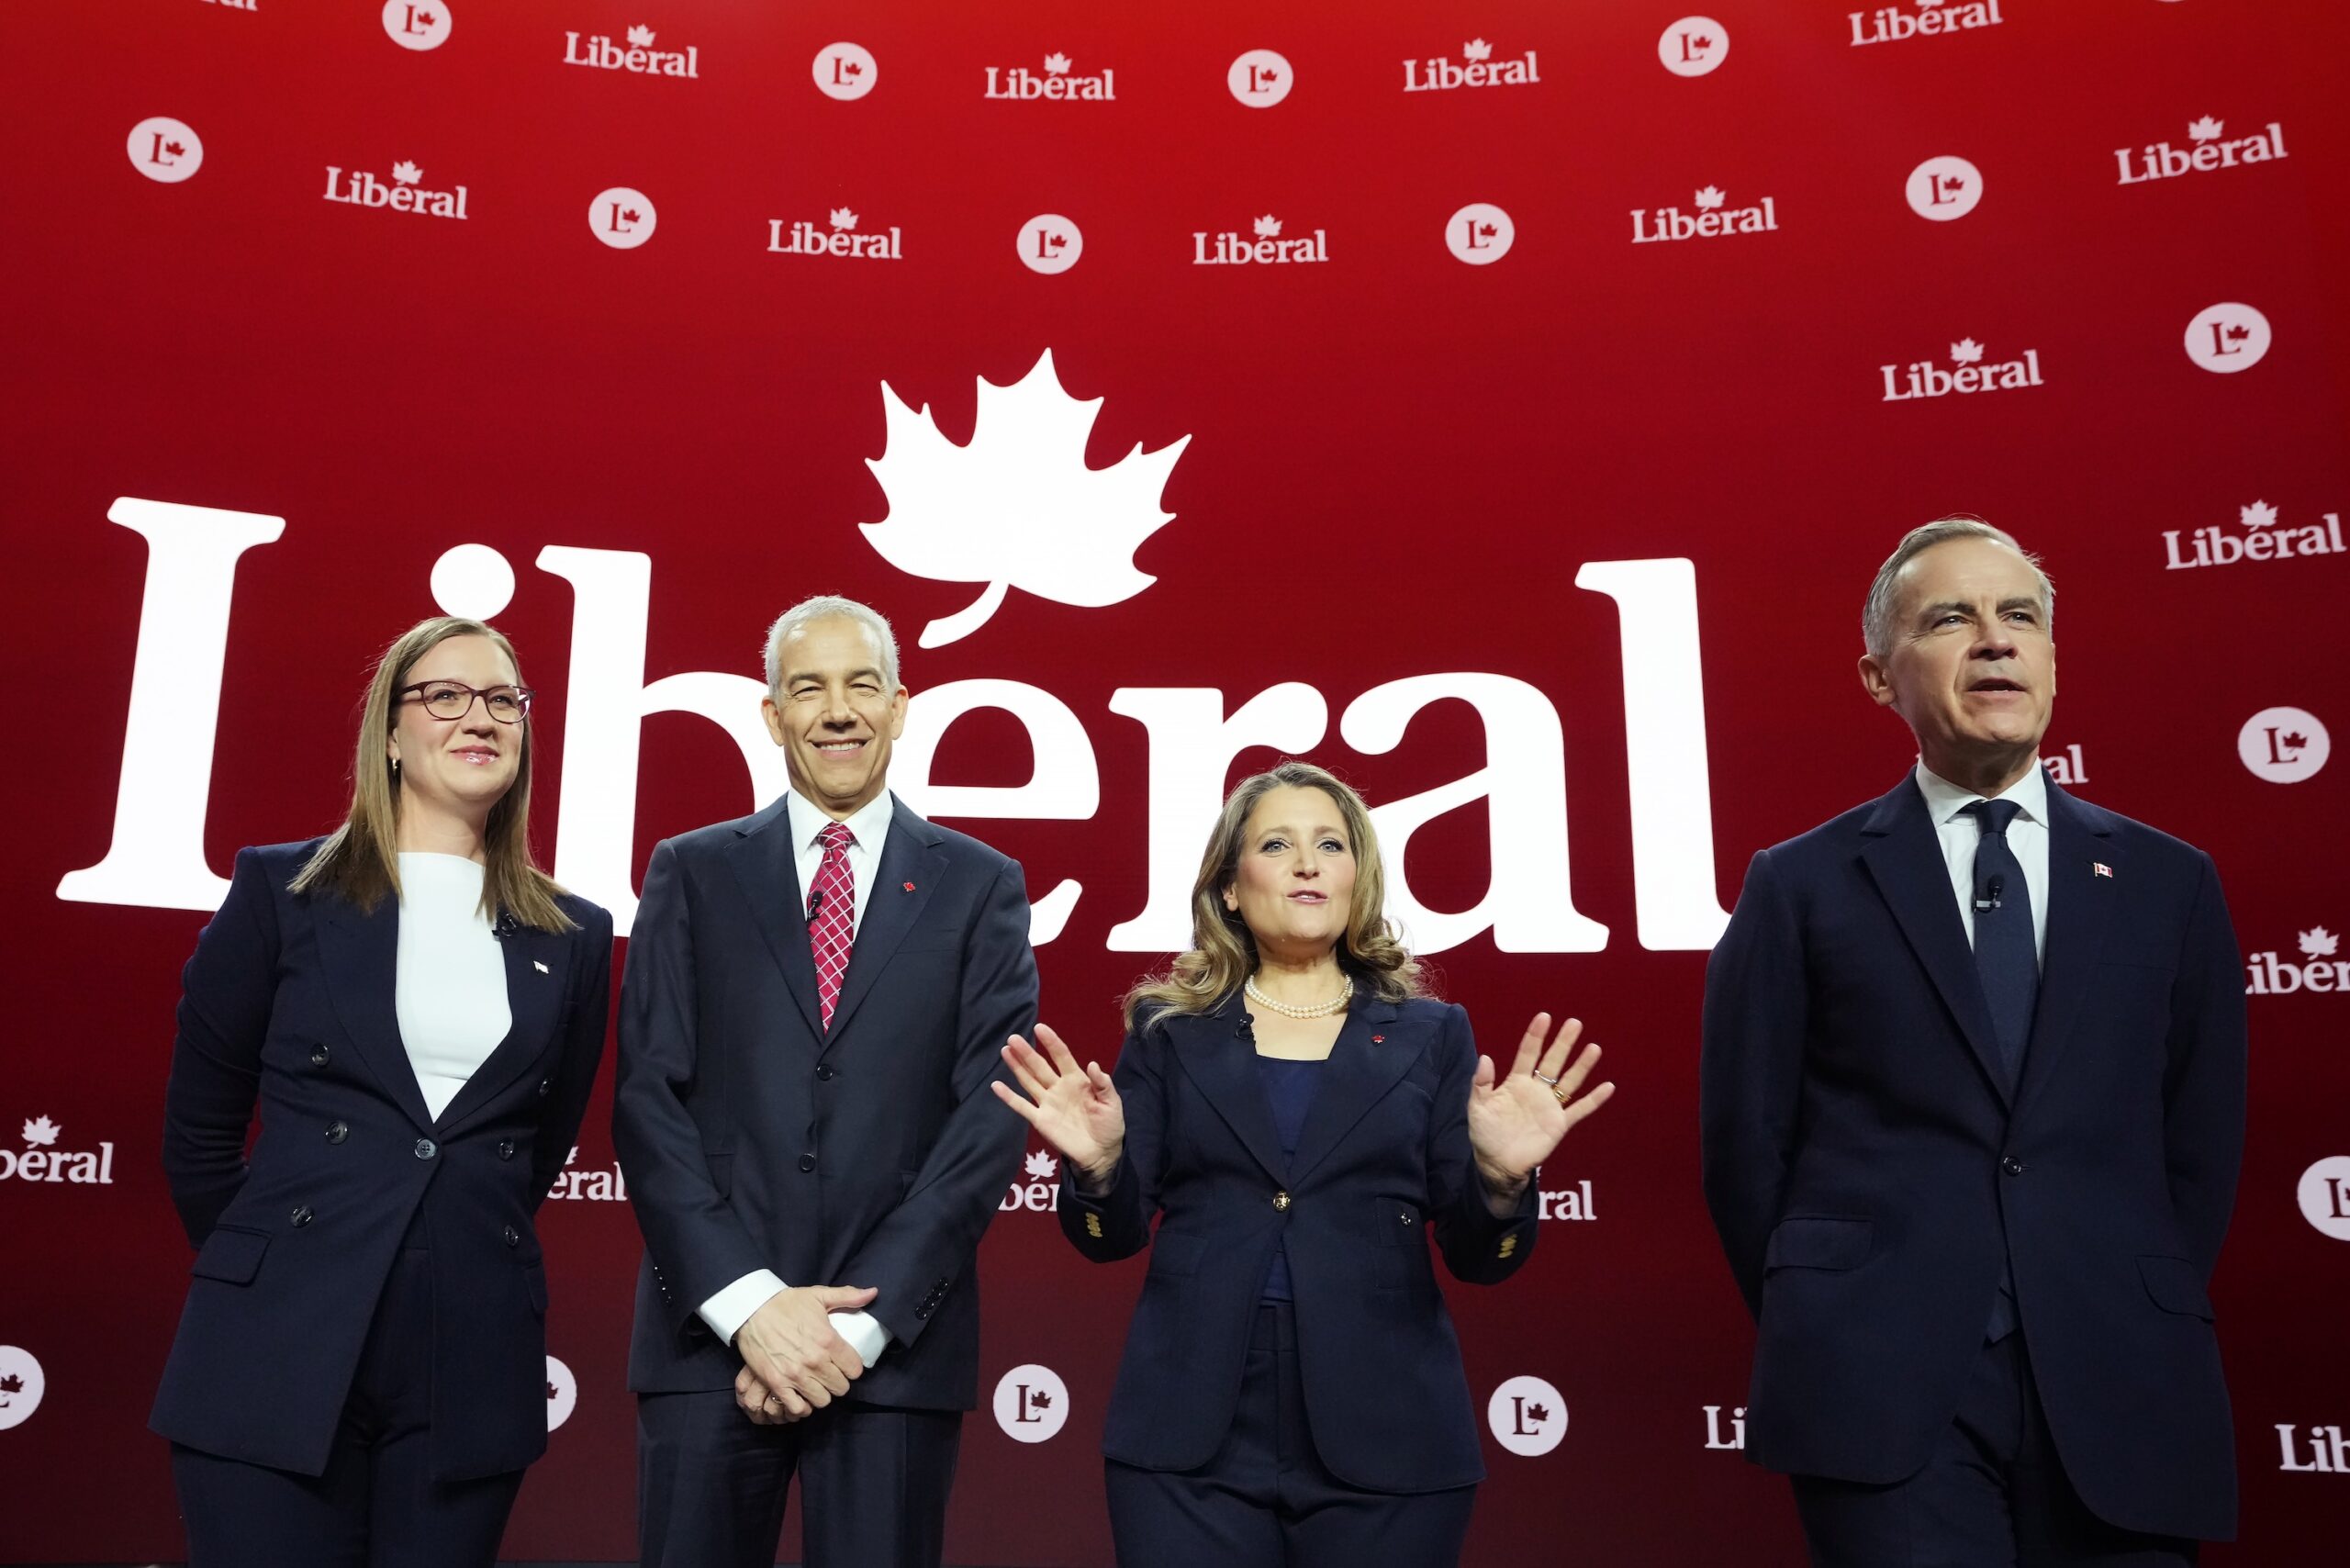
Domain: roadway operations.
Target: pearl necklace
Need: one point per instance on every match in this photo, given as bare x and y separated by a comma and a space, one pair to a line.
1311, 1010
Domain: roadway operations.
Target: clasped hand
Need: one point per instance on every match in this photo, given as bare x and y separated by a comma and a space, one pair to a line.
794, 1363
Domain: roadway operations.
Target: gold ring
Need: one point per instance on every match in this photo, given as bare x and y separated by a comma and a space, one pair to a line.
1559, 1094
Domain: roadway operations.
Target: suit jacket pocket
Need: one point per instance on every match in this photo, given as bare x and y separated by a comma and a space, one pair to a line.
231, 1255
2177, 1286
1820, 1241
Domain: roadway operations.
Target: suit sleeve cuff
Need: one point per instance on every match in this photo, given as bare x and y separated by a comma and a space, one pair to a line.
731, 1308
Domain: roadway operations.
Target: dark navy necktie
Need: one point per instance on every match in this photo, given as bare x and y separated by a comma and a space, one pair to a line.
2005, 953
2008, 962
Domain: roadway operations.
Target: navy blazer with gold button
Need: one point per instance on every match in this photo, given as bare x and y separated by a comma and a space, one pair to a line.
1870, 1168
1383, 1159
289, 1003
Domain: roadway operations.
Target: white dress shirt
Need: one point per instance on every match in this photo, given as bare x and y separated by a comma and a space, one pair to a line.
449, 993
2027, 840
869, 827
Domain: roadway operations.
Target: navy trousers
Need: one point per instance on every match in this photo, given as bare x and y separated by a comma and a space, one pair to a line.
377, 1504
710, 1486
1994, 1495
1266, 1501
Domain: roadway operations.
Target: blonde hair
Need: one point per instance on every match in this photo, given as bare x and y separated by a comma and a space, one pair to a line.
1223, 952
360, 860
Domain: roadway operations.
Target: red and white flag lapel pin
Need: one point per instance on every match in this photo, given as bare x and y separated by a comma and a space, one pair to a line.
2100, 868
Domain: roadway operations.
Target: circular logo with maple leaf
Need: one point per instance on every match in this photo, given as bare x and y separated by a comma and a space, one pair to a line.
1940, 189
1527, 1416
1050, 243
1259, 78
2324, 1193
1693, 46
1031, 1403
2226, 338
843, 70
166, 151
417, 24
621, 217
21, 1386
1479, 233
2283, 745
563, 1394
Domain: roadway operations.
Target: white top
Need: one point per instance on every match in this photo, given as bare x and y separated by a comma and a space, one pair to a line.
732, 1307
450, 996
2027, 840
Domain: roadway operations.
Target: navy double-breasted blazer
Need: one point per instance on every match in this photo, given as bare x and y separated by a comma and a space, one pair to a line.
288, 1004
1870, 1168
871, 1154
1382, 1160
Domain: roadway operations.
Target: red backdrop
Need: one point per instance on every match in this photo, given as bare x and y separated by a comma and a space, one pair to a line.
1401, 456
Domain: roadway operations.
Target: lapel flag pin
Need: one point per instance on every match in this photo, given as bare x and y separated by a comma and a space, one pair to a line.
539, 966
2100, 867
1379, 1039
910, 887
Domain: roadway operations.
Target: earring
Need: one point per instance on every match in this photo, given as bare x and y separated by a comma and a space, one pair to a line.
396, 768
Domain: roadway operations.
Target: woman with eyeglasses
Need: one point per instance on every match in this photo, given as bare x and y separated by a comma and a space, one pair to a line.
417, 1012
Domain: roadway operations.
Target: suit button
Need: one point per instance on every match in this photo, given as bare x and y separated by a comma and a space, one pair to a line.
807, 1162
823, 1072
426, 1148
506, 1148
1405, 1216
1281, 1203
301, 1215
338, 1131
2011, 1165
513, 1237
547, 1087
318, 1056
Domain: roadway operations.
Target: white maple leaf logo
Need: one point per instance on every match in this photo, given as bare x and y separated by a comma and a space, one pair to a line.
1017, 505
844, 219
640, 36
2317, 942
1267, 227
406, 173
2205, 130
1476, 48
1057, 65
1966, 351
2260, 514
1709, 199
1042, 1166
40, 1132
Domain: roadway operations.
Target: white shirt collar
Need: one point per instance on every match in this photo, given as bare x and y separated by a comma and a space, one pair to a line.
867, 824
1946, 800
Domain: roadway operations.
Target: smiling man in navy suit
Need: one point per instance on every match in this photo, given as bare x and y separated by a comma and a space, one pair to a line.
815, 1002
1973, 1095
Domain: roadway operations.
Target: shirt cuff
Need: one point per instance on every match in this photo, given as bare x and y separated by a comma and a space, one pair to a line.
731, 1308
863, 1333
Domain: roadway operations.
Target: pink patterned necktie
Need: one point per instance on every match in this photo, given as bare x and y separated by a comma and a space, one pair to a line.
832, 915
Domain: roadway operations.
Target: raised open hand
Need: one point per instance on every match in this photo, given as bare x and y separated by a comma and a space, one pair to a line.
1074, 1109
1517, 1121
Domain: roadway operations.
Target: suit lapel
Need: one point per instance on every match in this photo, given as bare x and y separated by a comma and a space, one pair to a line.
1905, 859
911, 864
538, 976
361, 955
1360, 1073
2080, 908
767, 869
1221, 1061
